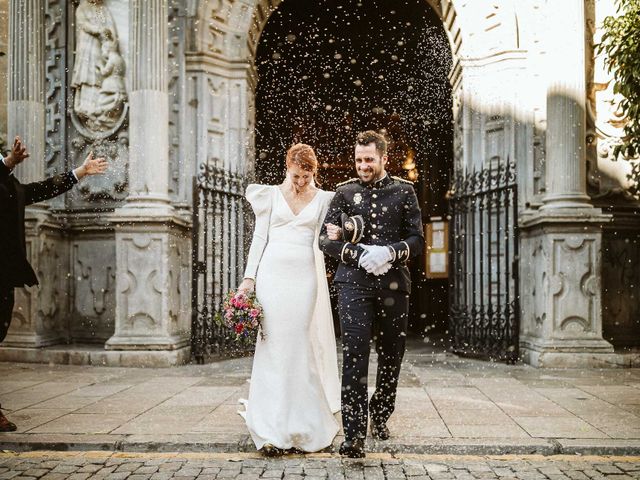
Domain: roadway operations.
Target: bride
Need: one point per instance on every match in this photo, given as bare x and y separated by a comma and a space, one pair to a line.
294, 389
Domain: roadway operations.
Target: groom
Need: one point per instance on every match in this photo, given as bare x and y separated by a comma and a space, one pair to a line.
383, 231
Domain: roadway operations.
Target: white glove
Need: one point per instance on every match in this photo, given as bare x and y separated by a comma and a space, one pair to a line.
375, 259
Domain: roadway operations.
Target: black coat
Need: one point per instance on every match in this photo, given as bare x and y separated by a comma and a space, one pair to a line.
391, 214
15, 270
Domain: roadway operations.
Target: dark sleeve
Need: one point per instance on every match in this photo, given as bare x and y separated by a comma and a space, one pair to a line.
346, 252
4, 170
51, 187
413, 242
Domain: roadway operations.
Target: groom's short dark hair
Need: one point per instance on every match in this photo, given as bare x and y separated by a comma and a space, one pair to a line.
371, 136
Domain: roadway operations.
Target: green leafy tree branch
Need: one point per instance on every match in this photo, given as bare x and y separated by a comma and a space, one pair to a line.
621, 45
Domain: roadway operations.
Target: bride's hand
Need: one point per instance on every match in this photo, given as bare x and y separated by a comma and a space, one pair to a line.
333, 231
247, 286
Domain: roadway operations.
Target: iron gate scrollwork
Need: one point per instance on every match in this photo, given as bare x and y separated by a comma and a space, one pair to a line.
484, 304
217, 254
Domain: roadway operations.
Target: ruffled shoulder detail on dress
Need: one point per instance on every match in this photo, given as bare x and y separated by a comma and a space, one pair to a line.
326, 196
259, 196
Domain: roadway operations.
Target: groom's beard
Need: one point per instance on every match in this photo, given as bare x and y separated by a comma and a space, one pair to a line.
372, 177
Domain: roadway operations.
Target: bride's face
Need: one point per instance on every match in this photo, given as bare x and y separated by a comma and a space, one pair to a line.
299, 178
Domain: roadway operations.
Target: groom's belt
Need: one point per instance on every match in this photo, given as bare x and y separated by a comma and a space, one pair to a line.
398, 278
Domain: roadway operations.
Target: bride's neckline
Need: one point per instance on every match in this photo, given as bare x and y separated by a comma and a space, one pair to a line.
289, 206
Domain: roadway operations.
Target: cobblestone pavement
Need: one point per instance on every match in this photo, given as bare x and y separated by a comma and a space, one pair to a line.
142, 466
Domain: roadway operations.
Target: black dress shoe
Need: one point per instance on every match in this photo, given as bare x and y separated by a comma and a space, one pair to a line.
352, 448
380, 431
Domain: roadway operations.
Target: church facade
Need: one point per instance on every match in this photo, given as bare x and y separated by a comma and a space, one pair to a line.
169, 89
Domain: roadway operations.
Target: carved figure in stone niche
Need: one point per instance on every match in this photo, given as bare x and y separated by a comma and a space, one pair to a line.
113, 92
94, 25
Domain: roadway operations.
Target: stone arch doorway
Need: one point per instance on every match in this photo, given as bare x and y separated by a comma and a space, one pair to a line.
327, 70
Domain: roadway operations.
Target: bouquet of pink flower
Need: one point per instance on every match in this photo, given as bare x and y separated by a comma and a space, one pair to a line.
242, 314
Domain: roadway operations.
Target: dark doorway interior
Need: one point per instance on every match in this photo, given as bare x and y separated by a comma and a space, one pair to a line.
329, 69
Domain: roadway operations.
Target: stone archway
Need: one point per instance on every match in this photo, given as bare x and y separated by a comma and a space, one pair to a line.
329, 70
226, 34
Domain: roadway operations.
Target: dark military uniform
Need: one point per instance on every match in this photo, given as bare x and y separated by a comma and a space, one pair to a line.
391, 217
15, 270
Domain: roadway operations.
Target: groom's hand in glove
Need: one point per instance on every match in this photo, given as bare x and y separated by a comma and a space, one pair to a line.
376, 259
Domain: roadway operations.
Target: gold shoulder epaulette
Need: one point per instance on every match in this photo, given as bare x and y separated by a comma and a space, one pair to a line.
403, 180
351, 180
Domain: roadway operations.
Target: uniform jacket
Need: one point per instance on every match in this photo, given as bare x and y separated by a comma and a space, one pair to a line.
392, 218
15, 270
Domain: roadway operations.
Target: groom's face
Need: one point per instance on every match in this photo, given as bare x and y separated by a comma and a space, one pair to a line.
369, 163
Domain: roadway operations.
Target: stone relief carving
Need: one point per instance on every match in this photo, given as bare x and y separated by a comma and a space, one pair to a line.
140, 282
176, 98
114, 183
99, 104
48, 292
56, 81
572, 280
539, 297
95, 280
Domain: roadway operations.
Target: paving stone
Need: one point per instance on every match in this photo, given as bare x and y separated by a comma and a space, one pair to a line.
161, 476
314, 472
373, 473
170, 466
272, 474
79, 476
35, 472
68, 469
129, 467
147, 470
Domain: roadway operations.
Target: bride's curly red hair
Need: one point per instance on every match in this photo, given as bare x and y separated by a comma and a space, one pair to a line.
303, 156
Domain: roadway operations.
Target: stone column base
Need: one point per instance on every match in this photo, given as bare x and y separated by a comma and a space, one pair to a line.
95, 355
152, 280
585, 358
146, 343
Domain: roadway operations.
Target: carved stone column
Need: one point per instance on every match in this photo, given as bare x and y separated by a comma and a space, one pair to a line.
152, 247
149, 105
561, 244
37, 313
27, 83
566, 103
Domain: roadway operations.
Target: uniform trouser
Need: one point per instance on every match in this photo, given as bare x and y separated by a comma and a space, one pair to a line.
367, 313
6, 309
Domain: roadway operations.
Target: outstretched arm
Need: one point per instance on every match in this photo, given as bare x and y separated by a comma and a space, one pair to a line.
52, 187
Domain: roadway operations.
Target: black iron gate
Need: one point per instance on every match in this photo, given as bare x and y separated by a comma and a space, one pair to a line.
217, 254
484, 316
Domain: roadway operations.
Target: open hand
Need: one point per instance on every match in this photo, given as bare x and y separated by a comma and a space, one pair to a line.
333, 231
17, 155
247, 286
91, 166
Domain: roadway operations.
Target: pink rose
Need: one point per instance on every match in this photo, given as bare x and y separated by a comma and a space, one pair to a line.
254, 313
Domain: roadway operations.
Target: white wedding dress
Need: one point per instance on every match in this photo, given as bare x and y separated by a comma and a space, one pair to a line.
295, 388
